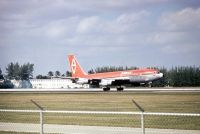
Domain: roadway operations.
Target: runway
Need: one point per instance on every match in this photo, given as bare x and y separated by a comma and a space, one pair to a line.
49, 90
75, 129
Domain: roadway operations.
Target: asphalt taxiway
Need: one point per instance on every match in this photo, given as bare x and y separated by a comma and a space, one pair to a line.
49, 90
75, 129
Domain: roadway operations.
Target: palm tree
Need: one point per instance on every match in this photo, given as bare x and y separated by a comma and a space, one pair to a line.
50, 73
57, 73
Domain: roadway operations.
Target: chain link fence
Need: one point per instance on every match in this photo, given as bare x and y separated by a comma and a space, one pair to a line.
172, 123
97, 122
19, 121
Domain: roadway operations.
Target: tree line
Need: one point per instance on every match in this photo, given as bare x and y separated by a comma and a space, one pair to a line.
17, 72
110, 69
180, 76
51, 74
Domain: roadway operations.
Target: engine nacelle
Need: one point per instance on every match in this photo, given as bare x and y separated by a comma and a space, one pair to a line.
82, 81
105, 82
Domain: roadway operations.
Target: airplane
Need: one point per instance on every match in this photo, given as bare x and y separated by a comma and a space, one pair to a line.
108, 79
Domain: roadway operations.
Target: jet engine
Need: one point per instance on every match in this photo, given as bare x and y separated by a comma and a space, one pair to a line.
105, 82
82, 81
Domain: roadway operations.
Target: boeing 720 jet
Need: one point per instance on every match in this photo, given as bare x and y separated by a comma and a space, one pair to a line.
108, 79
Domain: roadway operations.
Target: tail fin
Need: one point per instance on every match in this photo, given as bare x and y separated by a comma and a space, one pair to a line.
76, 69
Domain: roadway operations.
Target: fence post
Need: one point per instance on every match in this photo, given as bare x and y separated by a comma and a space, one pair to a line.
142, 116
142, 123
41, 116
41, 122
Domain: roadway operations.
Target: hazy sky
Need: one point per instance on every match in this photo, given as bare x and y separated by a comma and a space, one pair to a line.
99, 32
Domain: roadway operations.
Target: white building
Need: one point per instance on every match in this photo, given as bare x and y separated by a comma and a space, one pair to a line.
55, 83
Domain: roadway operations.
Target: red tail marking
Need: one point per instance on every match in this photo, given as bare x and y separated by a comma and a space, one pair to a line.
76, 69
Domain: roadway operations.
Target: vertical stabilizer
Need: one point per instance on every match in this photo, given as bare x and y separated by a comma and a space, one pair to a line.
76, 69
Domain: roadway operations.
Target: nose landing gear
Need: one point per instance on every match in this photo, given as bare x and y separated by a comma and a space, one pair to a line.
149, 84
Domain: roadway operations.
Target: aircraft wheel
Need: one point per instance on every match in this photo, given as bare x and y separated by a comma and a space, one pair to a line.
106, 89
120, 88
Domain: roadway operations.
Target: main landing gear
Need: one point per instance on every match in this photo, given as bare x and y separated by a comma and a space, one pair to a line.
120, 88
108, 88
